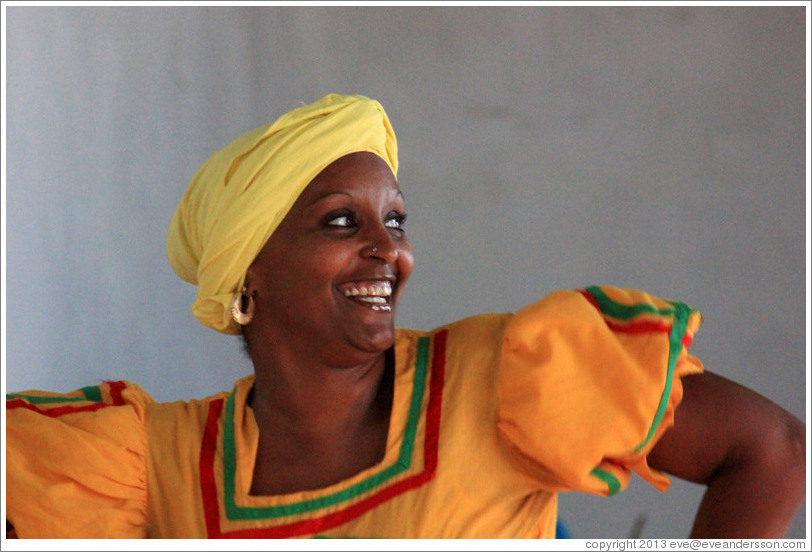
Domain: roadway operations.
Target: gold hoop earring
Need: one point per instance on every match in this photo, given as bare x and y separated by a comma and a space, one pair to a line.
240, 316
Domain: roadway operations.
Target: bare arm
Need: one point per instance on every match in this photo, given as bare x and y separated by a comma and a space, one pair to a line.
749, 452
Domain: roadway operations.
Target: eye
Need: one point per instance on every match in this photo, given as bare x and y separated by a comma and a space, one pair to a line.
395, 222
343, 220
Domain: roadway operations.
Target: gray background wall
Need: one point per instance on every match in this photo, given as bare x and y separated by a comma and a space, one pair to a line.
541, 147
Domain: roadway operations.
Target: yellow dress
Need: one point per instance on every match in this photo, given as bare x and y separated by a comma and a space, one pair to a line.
492, 416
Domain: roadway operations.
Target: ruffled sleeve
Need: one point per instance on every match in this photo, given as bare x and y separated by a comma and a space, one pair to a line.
76, 462
589, 381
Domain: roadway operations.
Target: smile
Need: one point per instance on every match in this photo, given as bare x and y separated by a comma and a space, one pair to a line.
376, 294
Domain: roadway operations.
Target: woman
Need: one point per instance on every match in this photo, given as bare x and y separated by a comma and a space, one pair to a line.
349, 427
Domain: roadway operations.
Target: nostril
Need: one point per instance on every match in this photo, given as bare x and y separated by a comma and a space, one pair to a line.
384, 253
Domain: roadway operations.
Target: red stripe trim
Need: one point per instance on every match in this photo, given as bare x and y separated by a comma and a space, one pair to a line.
115, 388
687, 340
645, 326
315, 525
208, 488
636, 327
641, 326
434, 409
54, 412
588, 297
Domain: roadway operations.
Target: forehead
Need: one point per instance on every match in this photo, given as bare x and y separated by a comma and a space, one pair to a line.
360, 172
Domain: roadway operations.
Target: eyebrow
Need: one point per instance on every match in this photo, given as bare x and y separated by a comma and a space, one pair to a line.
341, 192
325, 196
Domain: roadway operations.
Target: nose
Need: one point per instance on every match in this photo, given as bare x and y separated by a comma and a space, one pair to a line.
381, 246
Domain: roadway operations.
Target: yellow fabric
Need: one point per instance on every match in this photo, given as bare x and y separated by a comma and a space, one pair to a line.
77, 475
559, 396
240, 195
605, 381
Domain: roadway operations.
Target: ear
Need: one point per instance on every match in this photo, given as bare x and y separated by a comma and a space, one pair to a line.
247, 283
247, 288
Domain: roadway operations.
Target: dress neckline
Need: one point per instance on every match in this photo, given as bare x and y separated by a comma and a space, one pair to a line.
240, 440
229, 445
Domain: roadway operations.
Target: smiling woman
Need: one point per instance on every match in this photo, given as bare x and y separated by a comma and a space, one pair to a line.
334, 269
350, 427
331, 274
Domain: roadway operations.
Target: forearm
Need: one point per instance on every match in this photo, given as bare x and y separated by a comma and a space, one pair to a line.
747, 450
756, 495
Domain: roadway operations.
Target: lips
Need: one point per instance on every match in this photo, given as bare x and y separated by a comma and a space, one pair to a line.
375, 294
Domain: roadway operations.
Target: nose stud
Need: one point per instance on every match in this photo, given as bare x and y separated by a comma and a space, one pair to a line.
374, 249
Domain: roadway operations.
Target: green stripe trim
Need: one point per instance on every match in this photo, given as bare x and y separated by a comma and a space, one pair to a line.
235, 512
624, 312
92, 394
610, 480
34, 399
681, 314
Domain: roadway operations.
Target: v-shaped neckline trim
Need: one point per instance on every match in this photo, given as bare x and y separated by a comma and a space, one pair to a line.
345, 499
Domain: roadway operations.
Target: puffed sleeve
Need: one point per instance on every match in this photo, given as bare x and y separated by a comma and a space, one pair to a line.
76, 462
589, 381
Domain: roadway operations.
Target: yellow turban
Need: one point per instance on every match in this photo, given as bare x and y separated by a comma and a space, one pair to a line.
241, 194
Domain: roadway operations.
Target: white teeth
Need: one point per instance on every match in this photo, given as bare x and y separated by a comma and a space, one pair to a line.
376, 291
379, 300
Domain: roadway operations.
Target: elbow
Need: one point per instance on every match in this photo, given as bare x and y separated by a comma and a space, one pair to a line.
782, 453
795, 455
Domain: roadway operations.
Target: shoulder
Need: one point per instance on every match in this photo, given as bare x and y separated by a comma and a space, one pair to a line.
112, 412
95, 398
179, 417
596, 370
470, 333
84, 447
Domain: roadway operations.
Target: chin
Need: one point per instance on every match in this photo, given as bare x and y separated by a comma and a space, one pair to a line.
378, 341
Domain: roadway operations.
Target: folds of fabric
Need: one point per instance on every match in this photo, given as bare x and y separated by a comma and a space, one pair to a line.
589, 381
76, 463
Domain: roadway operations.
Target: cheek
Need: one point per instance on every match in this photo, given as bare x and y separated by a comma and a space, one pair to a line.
405, 264
297, 275
324, 265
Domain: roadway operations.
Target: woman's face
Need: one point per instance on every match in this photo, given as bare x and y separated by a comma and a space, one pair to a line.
330, 276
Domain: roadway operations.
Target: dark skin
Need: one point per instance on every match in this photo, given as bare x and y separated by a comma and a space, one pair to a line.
311, 402
323, 412
750, 453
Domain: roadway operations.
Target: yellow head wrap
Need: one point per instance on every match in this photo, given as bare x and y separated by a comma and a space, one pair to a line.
241, 194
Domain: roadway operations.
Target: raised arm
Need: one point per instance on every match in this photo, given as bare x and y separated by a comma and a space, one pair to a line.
750, 453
